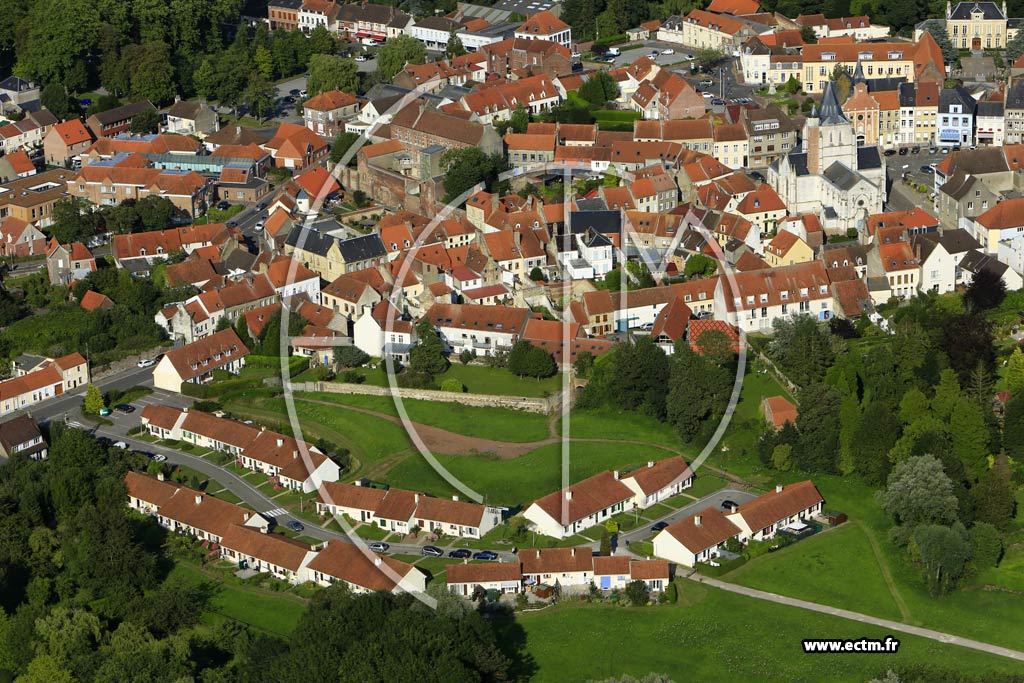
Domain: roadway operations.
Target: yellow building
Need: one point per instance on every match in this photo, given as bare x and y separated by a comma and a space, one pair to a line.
787, 249
878, 60
976, 25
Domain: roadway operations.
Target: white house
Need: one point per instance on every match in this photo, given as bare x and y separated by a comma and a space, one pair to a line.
697, 538
940, 257
613, 572
658, 480
373, 335
597, 250
568, 567
786, 506
580, 506
196, 362
341, 562
755, 299
281, 557
485, 329
464, 579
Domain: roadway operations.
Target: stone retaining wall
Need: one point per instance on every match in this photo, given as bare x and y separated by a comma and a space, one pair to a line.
529, 404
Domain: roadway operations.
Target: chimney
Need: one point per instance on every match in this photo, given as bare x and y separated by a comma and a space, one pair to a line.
568, 495
295, 455
358, 482
238, 130
778, 488
616, 475
650, 463
280, 442
734, 509
159, 476
376, 562
185, 409
245, 516
199, 498
465, 560
696, 520
455, 498
572, 551
416, 498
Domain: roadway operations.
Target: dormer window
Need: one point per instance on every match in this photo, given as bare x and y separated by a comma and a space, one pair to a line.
828, 56
750, 300
784, 295
803, 291
895, 54
865, 56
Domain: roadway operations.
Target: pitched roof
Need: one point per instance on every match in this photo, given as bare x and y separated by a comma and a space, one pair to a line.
489, 572
778, 504
92, 300
346, 562
271, 548
542, 23
503, 319
556, 560
204, 355
656, 475
585, 497
706, 529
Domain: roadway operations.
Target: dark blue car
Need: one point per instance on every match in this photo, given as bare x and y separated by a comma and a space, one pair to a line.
485, 555
459, 554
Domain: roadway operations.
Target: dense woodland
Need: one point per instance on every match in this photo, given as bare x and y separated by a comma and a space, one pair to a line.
84, 596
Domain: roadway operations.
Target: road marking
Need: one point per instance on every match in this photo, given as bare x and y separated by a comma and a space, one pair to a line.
276, 512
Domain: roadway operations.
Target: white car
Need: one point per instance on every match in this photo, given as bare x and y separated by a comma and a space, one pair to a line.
362, 58
689, 58
258, 227
159, 457
613, 52
119, 444
707, 96
146, 363
669, 51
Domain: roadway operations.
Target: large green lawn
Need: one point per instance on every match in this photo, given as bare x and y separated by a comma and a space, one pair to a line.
519, 481
838, 568
714, 636
480, 379
273, 612
487, 423
608, 423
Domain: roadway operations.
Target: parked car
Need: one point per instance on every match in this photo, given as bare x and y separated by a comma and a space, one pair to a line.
703, 315
927, 169
689, 57
379, 546
903, 151
459, 553
610, 59
707, 96
146, 363
126, 408
295, 525
647, 327
707, 83
718, 102
757, 176
302, 93
431, 551
362, 58
668, 51
293, 91
159, 457
889, 152
659, 526
261, 205
224, 205
933, 150
728, 504
485, 555
105, 411
613, 51
288, 99
120, 444
258, 226
915, 150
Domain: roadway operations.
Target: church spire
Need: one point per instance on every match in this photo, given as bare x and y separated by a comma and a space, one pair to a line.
858, 73
831, 113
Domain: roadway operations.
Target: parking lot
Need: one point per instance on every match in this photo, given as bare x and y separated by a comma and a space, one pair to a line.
901, 197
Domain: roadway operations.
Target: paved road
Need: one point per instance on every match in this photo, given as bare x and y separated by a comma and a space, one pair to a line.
862, 618
71, 402
712, 500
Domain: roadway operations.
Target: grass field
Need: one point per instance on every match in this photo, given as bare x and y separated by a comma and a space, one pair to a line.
488, 423
480, 379
257, 607
713, 636
840, 565
521, 480
607, 423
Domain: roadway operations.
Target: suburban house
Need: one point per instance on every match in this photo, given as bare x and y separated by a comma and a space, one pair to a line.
65, 141
784, 508
117, 120
658, 480
67, 263
31, 199
582, 505
325, 114
192, 118
363, 572
465, 579
20, 238
374, 336
544, 25
697, 538
479, 328
43, 380
281, 557
755, 299
571, 568
296, 147
195, 362
450, 517
187, 511
615, 572
14, 165
21, 437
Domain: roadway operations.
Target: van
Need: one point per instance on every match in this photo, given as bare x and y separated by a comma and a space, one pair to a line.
613, 52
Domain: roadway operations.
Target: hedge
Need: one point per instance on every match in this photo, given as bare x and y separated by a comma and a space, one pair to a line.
217, 388
722, 568
615, 115
296, 364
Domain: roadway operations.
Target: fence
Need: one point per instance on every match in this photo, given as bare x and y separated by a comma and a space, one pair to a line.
528, 404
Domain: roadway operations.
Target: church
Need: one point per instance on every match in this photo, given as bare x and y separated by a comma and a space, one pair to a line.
831, 176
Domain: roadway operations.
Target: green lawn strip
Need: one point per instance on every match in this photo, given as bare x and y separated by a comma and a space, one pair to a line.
704, 483
498, 537
715, 637
410, 559
642, 548
833, 568
607, 423
224, 494
436, 565
519, 481
371, 532
744, 428
498, 424
594, 533
266, 610
204, 481
480, 379
659, 510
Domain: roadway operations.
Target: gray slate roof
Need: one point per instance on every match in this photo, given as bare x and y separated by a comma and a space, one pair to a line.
868, 157
362, 248
963, 10
840, 176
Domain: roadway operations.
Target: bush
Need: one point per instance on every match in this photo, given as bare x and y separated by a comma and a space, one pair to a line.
671, 593
637, 592
206, 406
453, 385
352, 377
350, 356
466, 356
321, 373
852, 233
137, 429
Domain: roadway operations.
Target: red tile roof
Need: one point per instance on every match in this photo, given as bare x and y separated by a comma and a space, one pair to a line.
706, 529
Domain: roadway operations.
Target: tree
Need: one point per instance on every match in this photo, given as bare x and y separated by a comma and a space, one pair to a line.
46, 669
877, 434
584, 362
263, 60
349, 357
970, 434
707, 57
58, 35
995, 495
919, 492
537, 275
321, 42
152, 74
1013, 427
937, 28
968, 340
397, 52
699, 265
155, 212
93, 401
342, 144
1015, 47
944, 553
331, 72
808, 35
204, 79
803, 347
638, 377
637, 593
427, 357
465, 167
1015, 372
527, 360
55, 98
986, 545
716, 347
817, 449
599, 88
146, 121
698, 391
986, 291
259, 96
782, 457
454, 48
